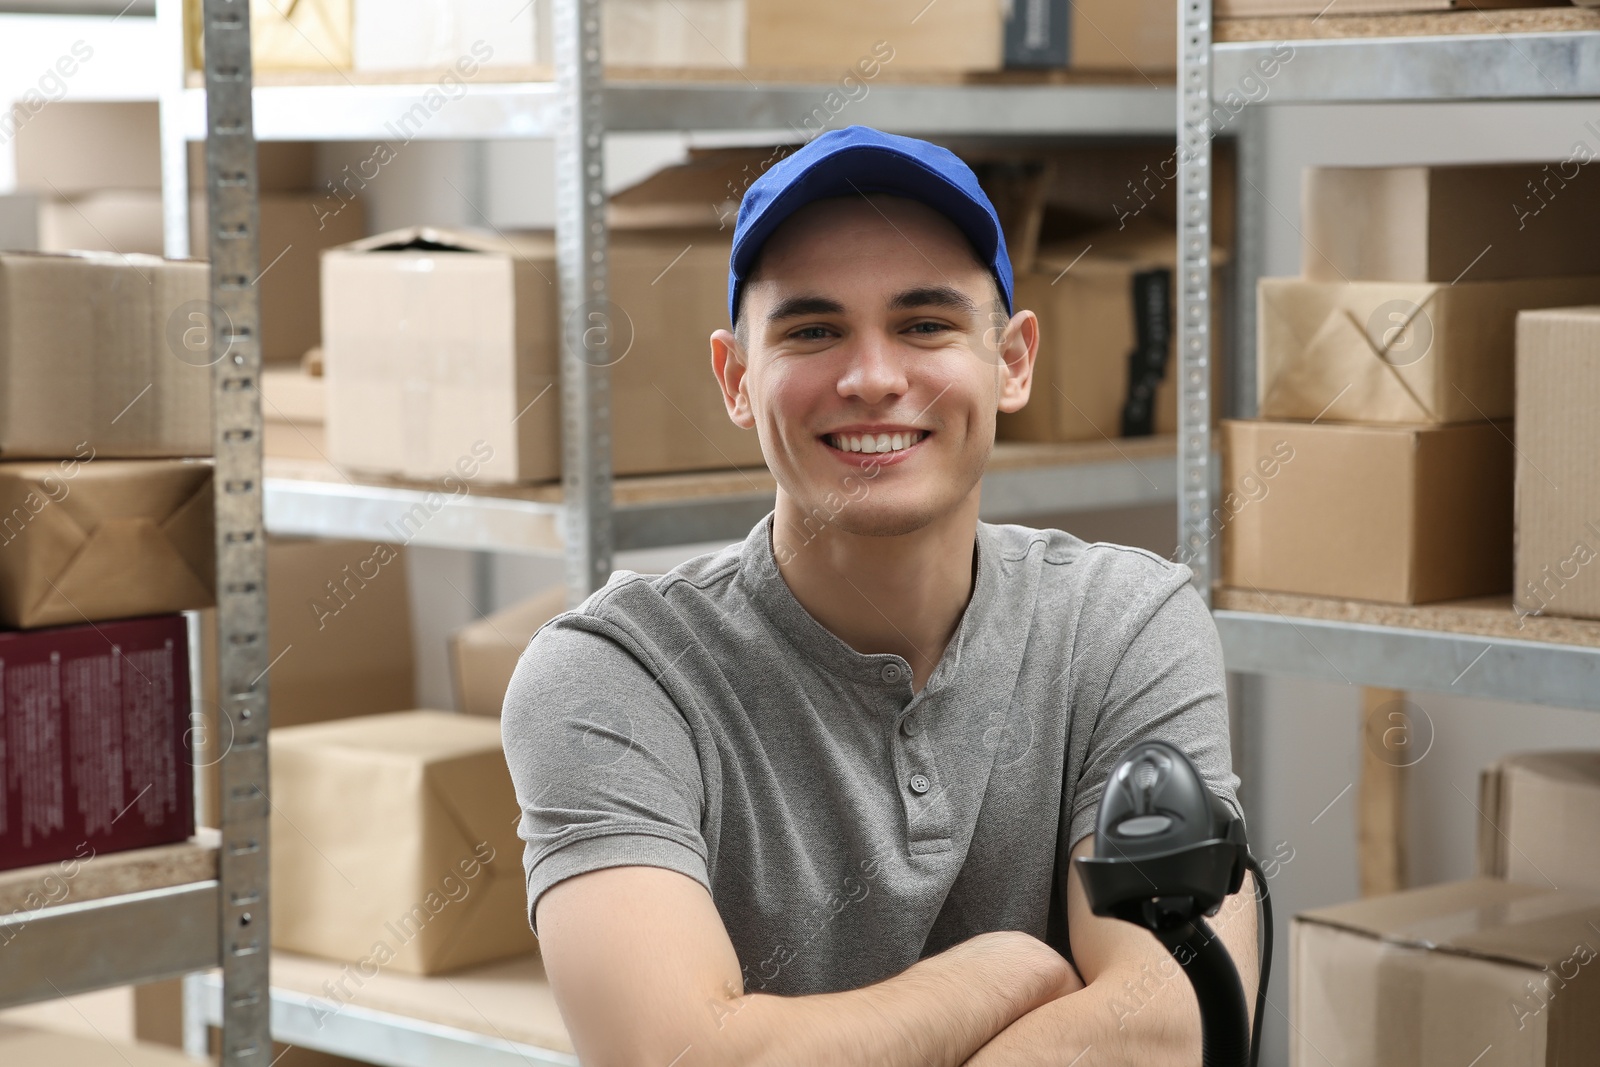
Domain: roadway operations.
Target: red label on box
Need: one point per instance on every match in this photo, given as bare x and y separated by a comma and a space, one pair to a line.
93, 727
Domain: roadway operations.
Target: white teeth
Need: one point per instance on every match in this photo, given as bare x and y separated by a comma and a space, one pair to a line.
874, 443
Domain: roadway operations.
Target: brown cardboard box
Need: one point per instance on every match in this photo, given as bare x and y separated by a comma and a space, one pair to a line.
106, 220
1539, 820
1252, 8
436, 35
294, 414
483, 654
395, 843
1396, 352
903, 35
97, 725
93, 357
443, 345
1122, 35
72, 147
673, 33
1558, 467
89, 539
1434, 977
1399, 514
1440, 224
310, 35
1084, 300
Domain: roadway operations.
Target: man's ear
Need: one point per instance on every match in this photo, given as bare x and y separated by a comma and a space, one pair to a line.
1019, 347
729, 366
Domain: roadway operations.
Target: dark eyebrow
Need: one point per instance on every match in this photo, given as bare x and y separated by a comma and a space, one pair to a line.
795, 306
943, 296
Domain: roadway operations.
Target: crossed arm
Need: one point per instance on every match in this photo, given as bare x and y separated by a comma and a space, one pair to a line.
644, 976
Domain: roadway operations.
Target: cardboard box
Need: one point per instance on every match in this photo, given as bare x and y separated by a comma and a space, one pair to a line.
484, 654
310, 35
1433, 977
673, 33
96, 721
1088, 327
92, 357
1251, 8
1396, 352
1539, 820
27, 1046
1438, 224
72, 147
294, 414
1398, 514
443, 351
902, 35
90, 539
394, 843
1558, 468
1123, 35
425, 35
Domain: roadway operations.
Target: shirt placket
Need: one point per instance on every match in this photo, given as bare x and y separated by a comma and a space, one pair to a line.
927, 809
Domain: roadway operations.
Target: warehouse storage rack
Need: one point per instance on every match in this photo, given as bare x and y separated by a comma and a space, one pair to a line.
1546, 54
591, 515
163, 912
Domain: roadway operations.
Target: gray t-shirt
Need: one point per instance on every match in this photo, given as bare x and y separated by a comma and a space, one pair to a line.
703, 721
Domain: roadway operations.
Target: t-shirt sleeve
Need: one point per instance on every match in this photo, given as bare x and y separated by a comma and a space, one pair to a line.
1167, 684
604, 765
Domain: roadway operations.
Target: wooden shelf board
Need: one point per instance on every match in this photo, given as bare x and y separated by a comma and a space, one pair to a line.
111, 874
1478, 617
1415, 24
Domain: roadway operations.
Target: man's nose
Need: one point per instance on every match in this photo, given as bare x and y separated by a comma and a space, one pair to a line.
875, 369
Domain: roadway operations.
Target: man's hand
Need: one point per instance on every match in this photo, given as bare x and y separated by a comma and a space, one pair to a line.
1138, 1006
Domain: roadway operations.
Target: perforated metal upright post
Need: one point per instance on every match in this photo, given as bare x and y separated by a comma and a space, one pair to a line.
1194, 292
234, 333
588, 318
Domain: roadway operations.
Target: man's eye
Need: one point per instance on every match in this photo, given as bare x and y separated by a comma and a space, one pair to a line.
810, 333
929, 327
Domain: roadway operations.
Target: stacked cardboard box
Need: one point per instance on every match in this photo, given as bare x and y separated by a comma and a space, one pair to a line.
89, 179
1385, 376
442, 347
106, 533
1435, 976
1558, 463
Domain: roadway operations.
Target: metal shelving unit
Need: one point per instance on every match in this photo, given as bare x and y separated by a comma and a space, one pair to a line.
1466, 650
150, 914
584, 523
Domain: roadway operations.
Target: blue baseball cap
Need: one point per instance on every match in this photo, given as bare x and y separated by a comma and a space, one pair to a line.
857, 160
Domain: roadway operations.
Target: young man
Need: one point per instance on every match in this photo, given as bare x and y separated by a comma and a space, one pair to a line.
801, 801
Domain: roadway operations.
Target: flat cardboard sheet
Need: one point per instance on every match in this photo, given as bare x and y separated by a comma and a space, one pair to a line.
395, 843
952, 35
85, 540
1558, 463
1396, 352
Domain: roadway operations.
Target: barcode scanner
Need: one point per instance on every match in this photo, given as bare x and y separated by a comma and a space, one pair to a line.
1167, 852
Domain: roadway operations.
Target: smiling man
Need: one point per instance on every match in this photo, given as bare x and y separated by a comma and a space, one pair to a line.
802, 800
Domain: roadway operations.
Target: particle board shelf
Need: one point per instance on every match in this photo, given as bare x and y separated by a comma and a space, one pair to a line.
496, 1015
312, 499
1406, 24
111, 874
108, 920
1514, 54
748, 77
1479, 647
